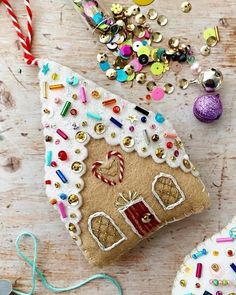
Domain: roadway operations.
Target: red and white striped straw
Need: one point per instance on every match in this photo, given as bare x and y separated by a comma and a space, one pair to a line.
25, 41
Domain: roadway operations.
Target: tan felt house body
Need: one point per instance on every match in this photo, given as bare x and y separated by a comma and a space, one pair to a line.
115, 178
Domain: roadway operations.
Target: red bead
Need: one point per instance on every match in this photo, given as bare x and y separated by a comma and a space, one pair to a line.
54, 164
169, 145
73, 112
116, 109
62, 155
230, 252
48, 181
176, 153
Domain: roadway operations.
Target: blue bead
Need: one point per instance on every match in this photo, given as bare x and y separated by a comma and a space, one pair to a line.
144, 42
144, 119
63, 196
104, 66
159, 118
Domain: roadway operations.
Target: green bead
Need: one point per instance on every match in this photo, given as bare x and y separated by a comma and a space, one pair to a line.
224, 282
216, 282
65, 108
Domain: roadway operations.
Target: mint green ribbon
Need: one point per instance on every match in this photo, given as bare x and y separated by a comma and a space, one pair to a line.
36, 271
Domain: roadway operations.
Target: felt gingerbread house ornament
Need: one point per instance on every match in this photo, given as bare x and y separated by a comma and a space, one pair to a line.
115, 171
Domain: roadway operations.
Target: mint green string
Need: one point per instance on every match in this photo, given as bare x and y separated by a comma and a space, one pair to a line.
36, 271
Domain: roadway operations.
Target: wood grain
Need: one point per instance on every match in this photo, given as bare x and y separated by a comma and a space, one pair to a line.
61, 36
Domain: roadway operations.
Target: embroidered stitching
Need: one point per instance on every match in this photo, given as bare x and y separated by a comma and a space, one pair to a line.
100, 176
137, 213
105, 231
167, 191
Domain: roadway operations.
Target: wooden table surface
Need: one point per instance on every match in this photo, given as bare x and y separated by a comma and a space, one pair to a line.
61, 36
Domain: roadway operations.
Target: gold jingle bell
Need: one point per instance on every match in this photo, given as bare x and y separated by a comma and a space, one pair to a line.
99, 128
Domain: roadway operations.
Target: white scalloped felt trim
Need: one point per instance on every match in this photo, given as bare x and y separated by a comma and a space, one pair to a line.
72, 124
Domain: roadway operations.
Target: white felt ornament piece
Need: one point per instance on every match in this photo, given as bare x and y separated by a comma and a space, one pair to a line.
210, 269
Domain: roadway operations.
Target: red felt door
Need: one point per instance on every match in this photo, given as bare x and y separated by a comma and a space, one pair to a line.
141, 218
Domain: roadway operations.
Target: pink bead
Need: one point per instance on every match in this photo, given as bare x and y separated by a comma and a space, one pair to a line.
62, 210
196, 68
57, 141
57, 100
131, 128
126, 50
53, 164
153, 126
199, 270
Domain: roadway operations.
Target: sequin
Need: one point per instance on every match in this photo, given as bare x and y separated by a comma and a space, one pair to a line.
162, 20
168, 88
150, 85
77, 167
157, 68
73, 200
156, 37
128, 141
186, 7
99, 128
183, 84
152, 14
81, 136
205, 50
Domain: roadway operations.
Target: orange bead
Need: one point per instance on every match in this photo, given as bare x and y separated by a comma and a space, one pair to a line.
148, 96
53, 201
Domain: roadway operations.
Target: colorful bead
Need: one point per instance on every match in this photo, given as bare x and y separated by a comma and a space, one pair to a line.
73, 112
224, 240
49, 158
109, 102
159, 118
199, 270
62, 134
63, 196
143, 119
117, 123
233, 266
65, 108
200, 254
169, 145
94, 116
116, 109
61, 176
62, 155
73, 80
141, 110
62, 210
83, 95
56, 86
